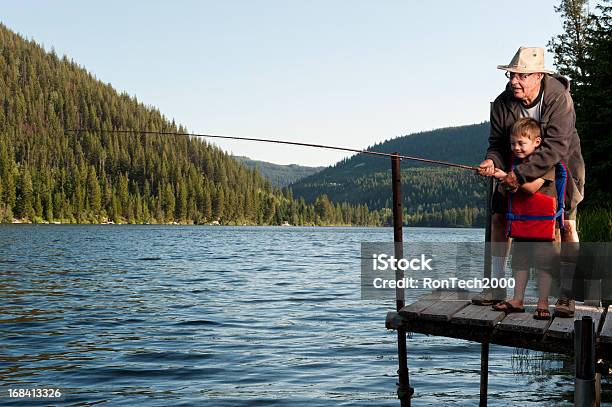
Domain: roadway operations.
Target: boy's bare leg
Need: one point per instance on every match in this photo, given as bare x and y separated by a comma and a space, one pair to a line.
544, 283
520, 278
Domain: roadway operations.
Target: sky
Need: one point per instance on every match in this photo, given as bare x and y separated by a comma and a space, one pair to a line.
338, 72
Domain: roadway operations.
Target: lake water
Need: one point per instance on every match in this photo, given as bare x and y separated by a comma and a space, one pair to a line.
228, 316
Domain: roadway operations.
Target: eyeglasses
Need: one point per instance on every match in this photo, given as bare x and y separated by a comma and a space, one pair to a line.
520, 76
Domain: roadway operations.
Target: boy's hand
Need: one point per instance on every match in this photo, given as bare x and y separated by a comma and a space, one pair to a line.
499, 174
510, 183
486, 168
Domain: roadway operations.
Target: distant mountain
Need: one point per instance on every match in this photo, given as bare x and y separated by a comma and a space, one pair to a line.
433, 195
49, 173
279, 175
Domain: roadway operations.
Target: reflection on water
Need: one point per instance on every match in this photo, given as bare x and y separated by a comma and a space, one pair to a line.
163, 315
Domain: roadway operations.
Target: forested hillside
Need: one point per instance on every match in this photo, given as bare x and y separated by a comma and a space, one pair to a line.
50, 174
279, 175
433, 195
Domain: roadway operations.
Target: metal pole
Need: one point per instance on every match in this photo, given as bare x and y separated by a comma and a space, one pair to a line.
584, 357
404, 391
487, 259
484, 346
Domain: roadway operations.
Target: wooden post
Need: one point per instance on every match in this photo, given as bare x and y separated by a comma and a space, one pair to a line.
484, 372
484, 346
584, 359
404, 391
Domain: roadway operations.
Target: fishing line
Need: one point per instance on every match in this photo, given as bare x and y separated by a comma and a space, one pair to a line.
294, 143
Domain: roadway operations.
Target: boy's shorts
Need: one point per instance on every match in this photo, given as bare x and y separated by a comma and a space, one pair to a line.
542, 256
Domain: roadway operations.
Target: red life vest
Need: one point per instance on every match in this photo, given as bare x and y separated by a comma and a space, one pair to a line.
533, 216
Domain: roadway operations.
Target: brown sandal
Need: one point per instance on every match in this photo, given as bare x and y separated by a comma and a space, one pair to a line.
542, 314
508, 308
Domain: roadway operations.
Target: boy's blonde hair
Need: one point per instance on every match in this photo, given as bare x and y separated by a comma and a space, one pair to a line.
526, 127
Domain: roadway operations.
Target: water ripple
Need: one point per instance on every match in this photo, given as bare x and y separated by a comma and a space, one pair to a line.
159, 315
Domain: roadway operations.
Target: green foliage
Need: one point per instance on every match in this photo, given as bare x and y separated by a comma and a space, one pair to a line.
570, 47
49, 174
595, 224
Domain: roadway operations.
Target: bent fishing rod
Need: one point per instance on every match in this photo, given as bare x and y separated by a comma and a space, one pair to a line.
294, 143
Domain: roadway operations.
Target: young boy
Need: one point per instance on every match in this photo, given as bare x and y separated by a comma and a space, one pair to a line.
533, 234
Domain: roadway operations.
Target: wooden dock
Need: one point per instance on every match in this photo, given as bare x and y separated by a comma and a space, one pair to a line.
451, 314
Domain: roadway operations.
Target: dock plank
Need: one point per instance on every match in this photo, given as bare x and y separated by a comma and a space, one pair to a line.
460, 295
443, 310
477, 315
414, 310
606, 331
523, 323
448, 295
564, 327
436, 295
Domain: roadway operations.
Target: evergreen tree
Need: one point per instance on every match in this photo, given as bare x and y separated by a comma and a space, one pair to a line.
570, 47
169, 203
49, 172
94, 193
25, 196
182, 201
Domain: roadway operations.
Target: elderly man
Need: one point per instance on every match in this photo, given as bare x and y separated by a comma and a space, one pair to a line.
535, 92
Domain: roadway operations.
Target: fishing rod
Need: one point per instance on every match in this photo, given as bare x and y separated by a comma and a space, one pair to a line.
294, 143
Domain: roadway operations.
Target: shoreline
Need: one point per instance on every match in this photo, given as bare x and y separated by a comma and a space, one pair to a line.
57, 223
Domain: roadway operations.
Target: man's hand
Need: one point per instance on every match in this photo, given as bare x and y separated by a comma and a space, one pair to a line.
486, 168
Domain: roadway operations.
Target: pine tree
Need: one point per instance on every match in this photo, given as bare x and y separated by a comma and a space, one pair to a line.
94, 194
169, 203
570, 47
25, 197
49, 207
218, 204
138, 176
124, 194
182, 201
